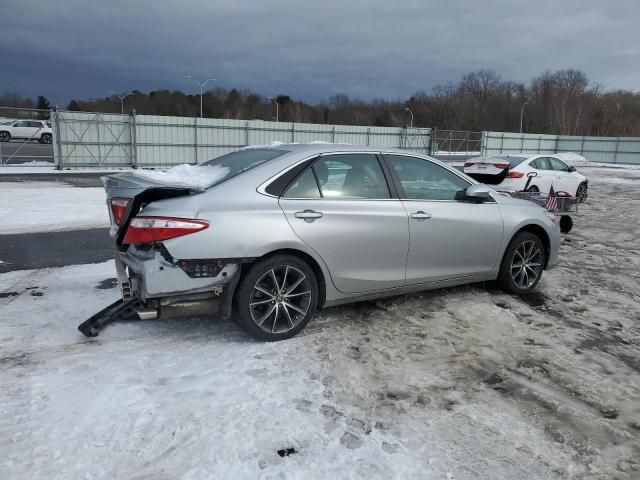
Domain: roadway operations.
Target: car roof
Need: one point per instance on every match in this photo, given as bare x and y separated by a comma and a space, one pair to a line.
326, 147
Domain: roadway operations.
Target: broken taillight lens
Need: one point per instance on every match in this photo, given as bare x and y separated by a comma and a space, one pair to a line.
118, 207
156, 229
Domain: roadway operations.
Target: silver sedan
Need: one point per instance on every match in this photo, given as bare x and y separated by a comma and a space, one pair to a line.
280, 231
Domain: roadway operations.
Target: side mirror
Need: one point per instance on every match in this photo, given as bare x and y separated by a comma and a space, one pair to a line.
532, 174
481, 192
572, 168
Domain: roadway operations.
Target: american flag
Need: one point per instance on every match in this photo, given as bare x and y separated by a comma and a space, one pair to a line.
552, 203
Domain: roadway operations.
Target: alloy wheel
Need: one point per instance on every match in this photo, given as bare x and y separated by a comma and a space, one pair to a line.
526, 264
581, 194
4, 137
280, 299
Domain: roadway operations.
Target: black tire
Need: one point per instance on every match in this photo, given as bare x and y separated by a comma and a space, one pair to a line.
510, 277
257, 295
5, 136
46, 138
566, 223
533, 188
581, 193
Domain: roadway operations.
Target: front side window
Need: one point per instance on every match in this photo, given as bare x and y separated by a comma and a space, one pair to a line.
354, 175
424, 180
558, 165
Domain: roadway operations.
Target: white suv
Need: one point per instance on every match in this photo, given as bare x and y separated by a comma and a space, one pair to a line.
26, 129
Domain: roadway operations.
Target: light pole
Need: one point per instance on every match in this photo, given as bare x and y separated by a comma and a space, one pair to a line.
121, 97
201, 85
522, 114
409, 110
277, 108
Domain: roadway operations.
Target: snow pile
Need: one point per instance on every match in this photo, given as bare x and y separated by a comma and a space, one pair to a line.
193, 176
572, 158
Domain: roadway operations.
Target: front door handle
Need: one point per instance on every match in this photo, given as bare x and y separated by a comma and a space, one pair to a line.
421, 216
308, 215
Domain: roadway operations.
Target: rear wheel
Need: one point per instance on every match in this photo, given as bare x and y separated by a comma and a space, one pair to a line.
533, 188
5, 136
581, 193
277, 297
46, 138
522, 264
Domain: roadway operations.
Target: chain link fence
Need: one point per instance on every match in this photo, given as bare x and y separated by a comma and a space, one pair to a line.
25, 137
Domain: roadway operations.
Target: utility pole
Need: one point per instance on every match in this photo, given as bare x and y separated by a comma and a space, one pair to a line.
522, 114
201, 85
409, 110
277, 108
121, 97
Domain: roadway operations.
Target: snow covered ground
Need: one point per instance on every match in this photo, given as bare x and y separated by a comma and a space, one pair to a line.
50, 206
453, 384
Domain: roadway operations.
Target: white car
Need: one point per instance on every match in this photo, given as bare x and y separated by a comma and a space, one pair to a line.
27, 130
510, 173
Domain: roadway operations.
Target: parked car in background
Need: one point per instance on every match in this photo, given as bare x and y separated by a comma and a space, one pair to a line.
282, 230
509, 172
39, 130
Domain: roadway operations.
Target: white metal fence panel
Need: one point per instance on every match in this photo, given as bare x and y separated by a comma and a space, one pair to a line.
595, 149
94, 139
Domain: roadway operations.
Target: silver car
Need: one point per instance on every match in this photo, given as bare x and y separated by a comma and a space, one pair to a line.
287, 229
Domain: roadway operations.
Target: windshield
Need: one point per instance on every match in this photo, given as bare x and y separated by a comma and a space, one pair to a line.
514, 160
243, 160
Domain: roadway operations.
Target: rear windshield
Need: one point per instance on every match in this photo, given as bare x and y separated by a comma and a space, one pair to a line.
243, 160
514, 160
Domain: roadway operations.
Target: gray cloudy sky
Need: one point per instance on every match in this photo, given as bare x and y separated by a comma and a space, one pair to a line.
308, 49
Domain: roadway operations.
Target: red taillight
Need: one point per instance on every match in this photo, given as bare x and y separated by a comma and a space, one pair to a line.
156, 229
515, 174
501, 166
118, 207
468, 164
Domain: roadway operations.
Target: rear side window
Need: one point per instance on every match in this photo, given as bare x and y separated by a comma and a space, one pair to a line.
354, 175
541, 164
304, 187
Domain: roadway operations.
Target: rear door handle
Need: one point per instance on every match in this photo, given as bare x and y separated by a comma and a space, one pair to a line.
308, 215
421, 216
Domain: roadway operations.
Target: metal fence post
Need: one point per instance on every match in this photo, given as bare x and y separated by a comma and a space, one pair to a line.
246, 133
615, 153
556, 147
501, 142
333, 135
293, 132
58, 141
539, 143
582, 146
133, 140
195, 139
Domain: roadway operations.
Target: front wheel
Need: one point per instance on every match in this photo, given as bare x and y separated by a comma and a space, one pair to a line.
581, 193
522, 264
5, 136
276, 298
